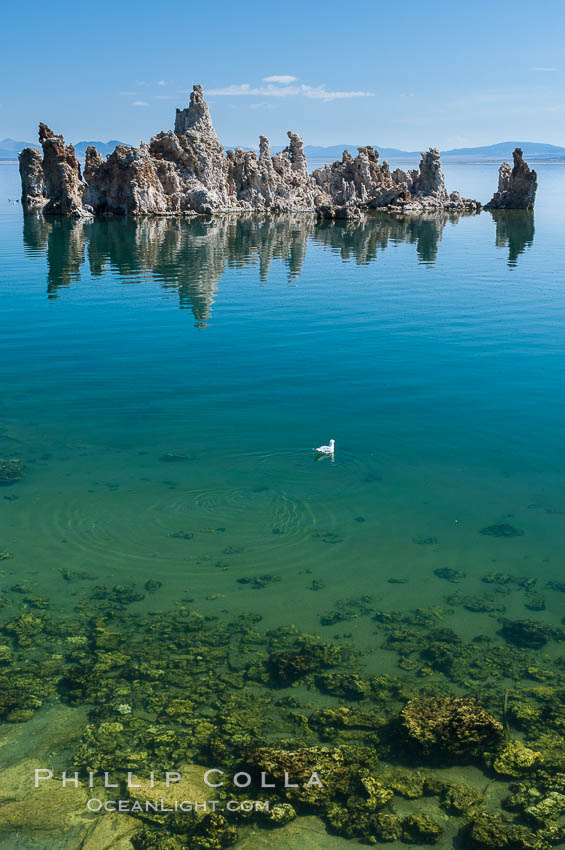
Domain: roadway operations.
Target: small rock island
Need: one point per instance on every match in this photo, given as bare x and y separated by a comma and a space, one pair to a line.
516, 186
186, 172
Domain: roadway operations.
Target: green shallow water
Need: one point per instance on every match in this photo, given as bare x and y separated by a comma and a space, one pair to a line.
164, 382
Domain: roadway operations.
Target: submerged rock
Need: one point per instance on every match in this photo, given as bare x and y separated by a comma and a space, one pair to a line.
11, 470
450, 574
516, 759
502, 529
527, 633
185, 172
306, 765
420, 829
516, 186
488, 830
451, 727
49, 808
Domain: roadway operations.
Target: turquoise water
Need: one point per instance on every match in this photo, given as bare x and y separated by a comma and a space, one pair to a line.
431, 352
165, 381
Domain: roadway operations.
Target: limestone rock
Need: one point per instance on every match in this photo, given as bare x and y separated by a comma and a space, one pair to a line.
516, 186
64, 185
31, 173
191, 786
360, 181
111, 832
197, 115
429, 182
126, 183
48, 808
186, 172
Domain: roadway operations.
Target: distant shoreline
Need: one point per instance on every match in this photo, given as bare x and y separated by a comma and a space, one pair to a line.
448, 160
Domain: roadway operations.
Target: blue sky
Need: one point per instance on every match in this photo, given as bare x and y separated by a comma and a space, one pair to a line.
407, 75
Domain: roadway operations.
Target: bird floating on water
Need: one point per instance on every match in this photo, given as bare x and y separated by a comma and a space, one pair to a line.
326, 450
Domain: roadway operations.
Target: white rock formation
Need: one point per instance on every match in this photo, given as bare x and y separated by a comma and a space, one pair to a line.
185, 172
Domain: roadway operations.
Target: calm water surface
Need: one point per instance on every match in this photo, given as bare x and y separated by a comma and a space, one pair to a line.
431, 350
165, 381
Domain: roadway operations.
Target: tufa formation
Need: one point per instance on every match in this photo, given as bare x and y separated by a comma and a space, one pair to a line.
516, 186
186, 172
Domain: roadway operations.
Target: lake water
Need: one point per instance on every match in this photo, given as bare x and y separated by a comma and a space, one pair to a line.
164, 383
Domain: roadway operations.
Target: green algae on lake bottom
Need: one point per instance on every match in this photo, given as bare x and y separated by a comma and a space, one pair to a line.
171, 688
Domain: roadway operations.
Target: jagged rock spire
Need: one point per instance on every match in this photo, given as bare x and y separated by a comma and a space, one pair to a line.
516, 186
31, 173
196, 116
64, 185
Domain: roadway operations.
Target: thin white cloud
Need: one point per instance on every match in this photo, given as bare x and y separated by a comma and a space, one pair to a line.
320, 93
544, 70
140, 103
261, 106
280, 78
311, 92
165, 97
161, 83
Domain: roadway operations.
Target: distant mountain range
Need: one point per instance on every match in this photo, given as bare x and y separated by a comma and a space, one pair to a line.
499, 152
9, 149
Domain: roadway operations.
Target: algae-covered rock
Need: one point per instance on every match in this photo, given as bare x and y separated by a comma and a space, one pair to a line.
549, 808
306, 655
347, 685
212, 832
119, 594
420, 829
449, 727
327, 720
407, 783
515, 759
488, 831
450, 574
289, 666
534, 602
279, 814
24, 628
11, 470
526, 633
460, 799
375, 793
387, 827
149, 838
5, 654
325, 764
502, 529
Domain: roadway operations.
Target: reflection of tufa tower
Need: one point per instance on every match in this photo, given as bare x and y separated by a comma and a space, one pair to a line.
515, 230
189, 258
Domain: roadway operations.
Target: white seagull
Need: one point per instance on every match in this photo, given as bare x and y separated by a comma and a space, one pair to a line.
326, 450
